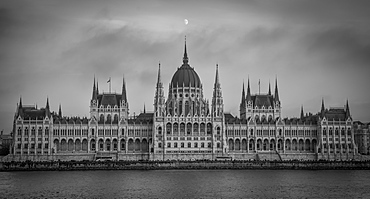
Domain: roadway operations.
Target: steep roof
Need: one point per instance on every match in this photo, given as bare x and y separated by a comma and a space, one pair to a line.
111, 99
263, 100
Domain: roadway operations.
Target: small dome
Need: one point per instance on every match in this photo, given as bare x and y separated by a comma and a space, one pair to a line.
185, 76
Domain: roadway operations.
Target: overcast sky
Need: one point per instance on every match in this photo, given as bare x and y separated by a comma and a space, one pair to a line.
317, 49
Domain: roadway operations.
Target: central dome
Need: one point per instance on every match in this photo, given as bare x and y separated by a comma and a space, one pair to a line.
185, 75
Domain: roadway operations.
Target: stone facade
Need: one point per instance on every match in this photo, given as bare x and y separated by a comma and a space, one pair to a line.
184, 126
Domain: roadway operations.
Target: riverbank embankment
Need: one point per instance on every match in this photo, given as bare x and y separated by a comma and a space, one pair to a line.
170, 165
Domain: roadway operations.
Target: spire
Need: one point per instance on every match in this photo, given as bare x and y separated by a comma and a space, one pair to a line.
47, 108
348, 114
243, 95
94, 92
322, 108
276, 91
185, 60
249, 98
47, 103
159, 80
97, 87
217, 81
20, 102
269, 88
302, 114
144, 107
60, 110
124, 97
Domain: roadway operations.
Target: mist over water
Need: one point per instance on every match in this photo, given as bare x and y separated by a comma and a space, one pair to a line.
186, 184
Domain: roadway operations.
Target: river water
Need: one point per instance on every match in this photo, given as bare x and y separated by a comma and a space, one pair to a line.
186, 184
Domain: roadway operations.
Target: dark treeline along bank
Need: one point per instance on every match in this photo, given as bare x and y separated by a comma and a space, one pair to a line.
198, 164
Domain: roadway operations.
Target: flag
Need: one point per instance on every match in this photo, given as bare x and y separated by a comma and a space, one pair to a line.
108, 80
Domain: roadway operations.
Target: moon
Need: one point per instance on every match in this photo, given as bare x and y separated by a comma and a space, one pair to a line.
186, 21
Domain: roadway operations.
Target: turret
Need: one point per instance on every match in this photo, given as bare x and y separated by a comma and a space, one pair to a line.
348, 114
60, 111
269, 93
249, 97
217, 101
302, 113
47, 108
243, 107
159, 100
276, 92
94, 91
124, 96
322, 108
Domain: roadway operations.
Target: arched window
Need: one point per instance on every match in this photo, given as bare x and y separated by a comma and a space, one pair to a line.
218, 130
159, 130
46, 131
122, 131
109, 118
186, 108
180, 107
209, 129
182, 145
182, 128
188, 128
115, 117
39, 131
175, 145
202, 145
19, 131
168, 128
101, 118
189, 144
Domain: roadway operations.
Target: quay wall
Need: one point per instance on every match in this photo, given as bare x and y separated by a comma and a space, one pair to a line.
169, 165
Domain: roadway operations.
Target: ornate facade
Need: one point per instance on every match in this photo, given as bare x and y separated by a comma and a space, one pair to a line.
183, 126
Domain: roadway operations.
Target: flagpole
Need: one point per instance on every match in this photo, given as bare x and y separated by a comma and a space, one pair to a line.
110, 85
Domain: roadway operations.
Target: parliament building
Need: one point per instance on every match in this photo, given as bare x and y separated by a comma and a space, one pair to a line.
183, 126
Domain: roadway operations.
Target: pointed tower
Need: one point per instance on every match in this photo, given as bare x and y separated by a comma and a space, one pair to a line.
322, 113
217, 100
249, 97
47, 108
277, 105
94, 91
60, 111
94, 101
124, 103
159, 99
124, 96
243, 107
348, 114
276, 92
20, 108
302, 113
269, 93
